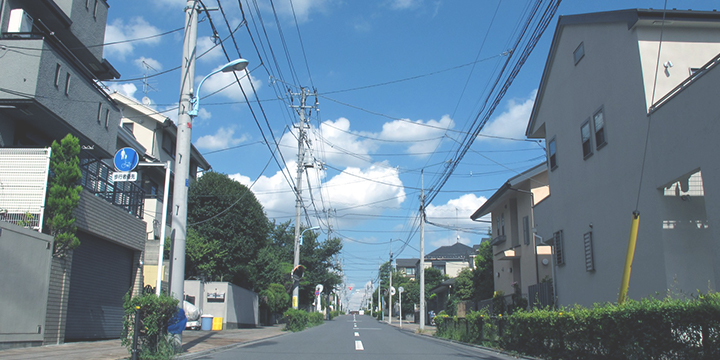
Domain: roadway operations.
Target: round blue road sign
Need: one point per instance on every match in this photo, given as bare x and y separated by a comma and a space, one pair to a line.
126, 159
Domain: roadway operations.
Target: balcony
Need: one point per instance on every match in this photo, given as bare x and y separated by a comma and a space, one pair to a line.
97, 179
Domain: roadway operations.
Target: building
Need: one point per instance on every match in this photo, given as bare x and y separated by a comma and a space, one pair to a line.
407, 267
157, 134
520, 261
49, 67
451, 259
627, 106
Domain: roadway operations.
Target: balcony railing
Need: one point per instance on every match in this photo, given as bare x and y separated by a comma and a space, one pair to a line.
97, 178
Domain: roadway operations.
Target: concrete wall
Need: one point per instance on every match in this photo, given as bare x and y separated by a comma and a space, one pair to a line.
239, 309
25, 256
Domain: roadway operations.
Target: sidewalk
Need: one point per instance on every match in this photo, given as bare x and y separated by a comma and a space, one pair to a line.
195, 343
413, 327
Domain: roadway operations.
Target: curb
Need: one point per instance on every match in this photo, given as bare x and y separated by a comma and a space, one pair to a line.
225, 347
492, 350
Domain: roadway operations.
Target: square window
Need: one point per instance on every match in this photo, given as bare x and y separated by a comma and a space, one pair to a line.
579, 53
586, 138
599, 125
552, 154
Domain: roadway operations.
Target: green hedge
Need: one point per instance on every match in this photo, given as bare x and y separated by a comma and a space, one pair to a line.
315, 318
298, 320
646, 329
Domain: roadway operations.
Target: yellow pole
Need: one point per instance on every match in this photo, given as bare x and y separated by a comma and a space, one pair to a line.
629, 257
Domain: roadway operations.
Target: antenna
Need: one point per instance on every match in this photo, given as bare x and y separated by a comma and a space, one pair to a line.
146, 85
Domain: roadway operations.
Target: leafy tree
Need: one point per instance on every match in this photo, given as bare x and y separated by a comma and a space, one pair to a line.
483, 274
276, 298
230, 229
321, 267
464, 289
64, 194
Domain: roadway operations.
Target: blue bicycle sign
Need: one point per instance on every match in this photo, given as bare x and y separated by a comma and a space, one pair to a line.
126, 159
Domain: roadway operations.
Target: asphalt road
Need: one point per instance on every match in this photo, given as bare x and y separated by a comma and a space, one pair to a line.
354, 337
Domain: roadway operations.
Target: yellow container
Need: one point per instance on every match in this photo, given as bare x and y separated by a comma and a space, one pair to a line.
217, 324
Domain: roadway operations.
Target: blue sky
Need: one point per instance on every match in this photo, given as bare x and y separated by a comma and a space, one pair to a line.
398, 83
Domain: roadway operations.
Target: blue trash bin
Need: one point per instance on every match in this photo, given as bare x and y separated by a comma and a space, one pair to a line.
206, 322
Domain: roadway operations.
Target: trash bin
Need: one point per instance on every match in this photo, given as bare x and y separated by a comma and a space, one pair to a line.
217, 324
206, 322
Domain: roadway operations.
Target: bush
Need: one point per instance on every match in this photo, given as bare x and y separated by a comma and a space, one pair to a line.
155, 314
296, 320
646, 329
315, 319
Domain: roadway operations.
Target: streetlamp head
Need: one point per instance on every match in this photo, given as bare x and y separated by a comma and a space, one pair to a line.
235, 65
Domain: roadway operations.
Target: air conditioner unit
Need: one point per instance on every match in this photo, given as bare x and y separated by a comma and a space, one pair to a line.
20, 22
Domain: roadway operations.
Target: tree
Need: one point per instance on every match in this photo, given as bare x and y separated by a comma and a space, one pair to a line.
321, 267
229, 230
276, 298
483, 274
64, 194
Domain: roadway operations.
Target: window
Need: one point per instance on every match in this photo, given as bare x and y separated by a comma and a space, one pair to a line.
599, 124
502, 224
526, 230
586, 139
107, 118
57, 74
579, 53
129, 126
99, 117
589, 261
410, 271
552, 154
168, 145
95, 9
67, 83
559, 248
87, 4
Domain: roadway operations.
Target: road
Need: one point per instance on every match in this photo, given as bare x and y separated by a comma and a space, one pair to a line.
355, 337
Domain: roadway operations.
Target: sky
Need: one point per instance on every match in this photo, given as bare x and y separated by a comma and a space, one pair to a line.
396, 88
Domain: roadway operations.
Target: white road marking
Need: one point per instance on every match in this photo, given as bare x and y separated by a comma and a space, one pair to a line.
357, 334
358, 345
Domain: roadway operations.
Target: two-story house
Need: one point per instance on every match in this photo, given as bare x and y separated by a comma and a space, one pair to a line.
49, 64
520, 260
627, 105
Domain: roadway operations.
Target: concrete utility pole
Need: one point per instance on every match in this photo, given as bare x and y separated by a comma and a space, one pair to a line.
182, 158
390, 294
302, 126
422, 251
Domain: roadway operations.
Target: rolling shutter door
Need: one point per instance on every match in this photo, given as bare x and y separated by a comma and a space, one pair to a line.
101, 275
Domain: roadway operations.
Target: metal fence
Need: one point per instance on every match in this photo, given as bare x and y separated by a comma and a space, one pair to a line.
97, 178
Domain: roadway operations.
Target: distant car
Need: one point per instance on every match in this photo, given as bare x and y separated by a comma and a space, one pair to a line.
361, 312
354, 312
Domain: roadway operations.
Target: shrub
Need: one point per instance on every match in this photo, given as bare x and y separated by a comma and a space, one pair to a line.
315, 318
155, 314
296, 320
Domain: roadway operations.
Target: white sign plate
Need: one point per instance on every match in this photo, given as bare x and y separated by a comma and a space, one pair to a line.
124, 176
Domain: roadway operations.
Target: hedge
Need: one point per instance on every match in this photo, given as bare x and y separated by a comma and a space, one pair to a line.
646, 329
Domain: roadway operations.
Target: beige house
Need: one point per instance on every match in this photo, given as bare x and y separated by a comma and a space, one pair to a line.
520, 261
628, 108
157, 134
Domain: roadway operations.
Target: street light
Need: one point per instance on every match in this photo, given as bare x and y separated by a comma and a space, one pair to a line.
182, 165
296, 262
235, 65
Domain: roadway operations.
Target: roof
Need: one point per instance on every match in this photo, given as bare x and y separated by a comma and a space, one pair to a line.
455, 251
406, 262
632, 17
511, 184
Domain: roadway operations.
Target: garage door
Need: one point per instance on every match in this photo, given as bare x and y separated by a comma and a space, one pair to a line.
101, 275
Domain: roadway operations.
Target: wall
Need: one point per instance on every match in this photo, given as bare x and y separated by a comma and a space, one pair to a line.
25, 256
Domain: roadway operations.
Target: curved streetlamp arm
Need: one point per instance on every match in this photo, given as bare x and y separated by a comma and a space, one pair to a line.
235, 65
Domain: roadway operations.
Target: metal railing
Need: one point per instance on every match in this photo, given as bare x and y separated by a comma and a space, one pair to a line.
97, 178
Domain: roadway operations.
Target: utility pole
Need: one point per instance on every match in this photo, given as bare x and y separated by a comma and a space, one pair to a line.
422, 251
182, 159
390, 294
380, 302
302, 126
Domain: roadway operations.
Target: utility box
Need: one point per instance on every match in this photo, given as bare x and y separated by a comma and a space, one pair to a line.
19, 22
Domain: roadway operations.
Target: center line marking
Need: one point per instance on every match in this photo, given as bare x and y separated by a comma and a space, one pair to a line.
357, 334
358, 345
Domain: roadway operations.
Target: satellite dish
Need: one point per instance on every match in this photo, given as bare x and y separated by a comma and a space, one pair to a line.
146, 100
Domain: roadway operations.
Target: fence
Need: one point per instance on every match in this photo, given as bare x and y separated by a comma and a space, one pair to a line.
97, 178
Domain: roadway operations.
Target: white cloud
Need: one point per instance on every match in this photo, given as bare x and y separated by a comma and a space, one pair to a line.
338, 142
403, 4
120, 31
456, 213
513, 121
301, 8
154, 64
426, 134
127, 89
222, 139
225, 84
205, 43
